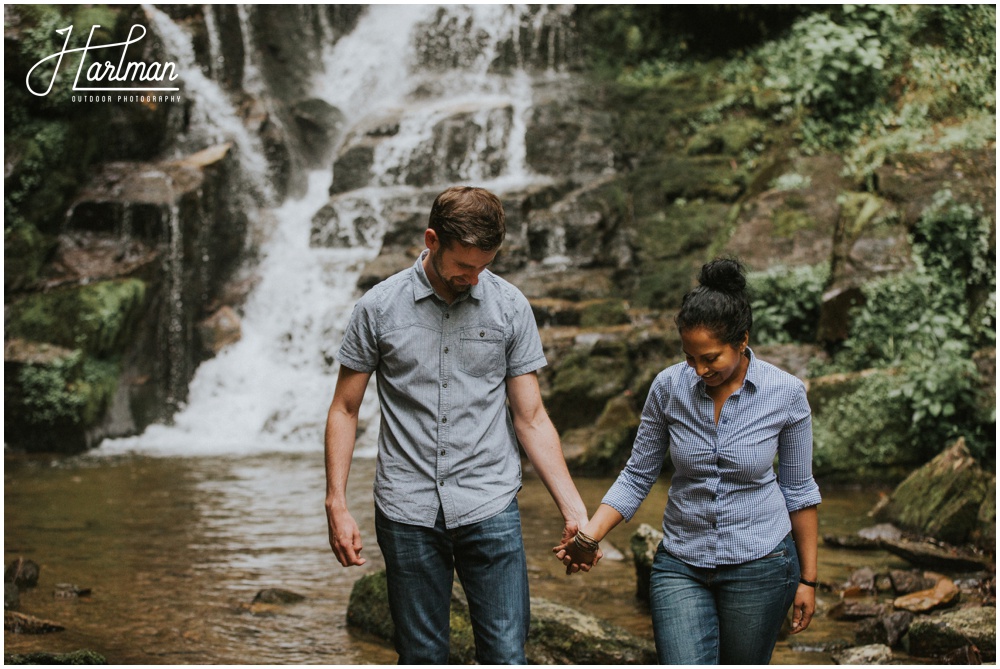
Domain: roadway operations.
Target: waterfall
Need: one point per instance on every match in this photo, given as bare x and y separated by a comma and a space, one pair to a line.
270, 391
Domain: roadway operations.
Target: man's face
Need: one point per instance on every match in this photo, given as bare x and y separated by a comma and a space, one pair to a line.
456, 268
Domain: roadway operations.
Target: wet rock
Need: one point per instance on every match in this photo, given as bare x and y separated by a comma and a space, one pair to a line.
20, 623
76, 657
852, 610
942, 499
69, 591
863, 580
22, 573
881, 532
944, 593
11, 596
906, 582
886, 629
220, 330
643, 544
606, 445
849, 541
935, 556
319, 125
937, 636
873, 654
277, 596
558, 634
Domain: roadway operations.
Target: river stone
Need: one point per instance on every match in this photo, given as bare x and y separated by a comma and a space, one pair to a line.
644, 544
557, 635
11, 596
941, 499
76, 657
220, 330
886, 629
932, 556
850, 609
936, 636
20, 623
22, 573
874, 654
906, 582
944, 593
278, 596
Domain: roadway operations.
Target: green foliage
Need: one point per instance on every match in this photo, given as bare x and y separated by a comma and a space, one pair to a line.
72, 389
786, 303
863, 428
926, 325
835, 70
95, 318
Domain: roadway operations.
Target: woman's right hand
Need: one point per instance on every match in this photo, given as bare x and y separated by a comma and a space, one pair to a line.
575, 558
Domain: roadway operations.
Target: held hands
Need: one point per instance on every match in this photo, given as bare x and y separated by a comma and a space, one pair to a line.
578, 551
345, 537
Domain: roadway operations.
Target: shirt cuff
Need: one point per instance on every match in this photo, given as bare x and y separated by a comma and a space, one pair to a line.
801, 496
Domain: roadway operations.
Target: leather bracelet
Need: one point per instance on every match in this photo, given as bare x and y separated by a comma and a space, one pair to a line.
811, 584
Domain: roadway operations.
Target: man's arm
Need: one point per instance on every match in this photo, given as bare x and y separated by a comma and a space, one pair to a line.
341, 428
540, 440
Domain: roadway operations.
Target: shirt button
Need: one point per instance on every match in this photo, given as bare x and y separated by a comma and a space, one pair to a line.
447, 315
445, 349
482, 334
445, 384
441, 482
442, 452
444, 420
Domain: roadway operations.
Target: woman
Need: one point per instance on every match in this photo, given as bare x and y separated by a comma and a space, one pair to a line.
739, 543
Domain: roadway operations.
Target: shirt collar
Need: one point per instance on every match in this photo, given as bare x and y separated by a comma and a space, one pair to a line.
422, 287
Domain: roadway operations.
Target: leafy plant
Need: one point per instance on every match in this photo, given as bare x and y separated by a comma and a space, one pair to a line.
786, 303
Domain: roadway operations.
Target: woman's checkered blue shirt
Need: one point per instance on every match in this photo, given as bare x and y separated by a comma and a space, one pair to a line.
726, 504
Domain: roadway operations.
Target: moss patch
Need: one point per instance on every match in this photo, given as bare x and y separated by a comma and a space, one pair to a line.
95, 318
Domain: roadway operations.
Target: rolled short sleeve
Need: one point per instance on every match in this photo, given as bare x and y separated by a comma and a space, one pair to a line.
359, 349
795, 448
524, 345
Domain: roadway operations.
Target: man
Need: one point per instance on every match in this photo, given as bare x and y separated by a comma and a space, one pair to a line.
451, 344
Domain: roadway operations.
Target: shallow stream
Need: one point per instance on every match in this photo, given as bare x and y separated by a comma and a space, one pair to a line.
174, 549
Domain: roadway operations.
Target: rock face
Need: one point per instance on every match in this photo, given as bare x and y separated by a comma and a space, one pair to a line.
78, 356
557, 635
943, 499
937, 636
644, 544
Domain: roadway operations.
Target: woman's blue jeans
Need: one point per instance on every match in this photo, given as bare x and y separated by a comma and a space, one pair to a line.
726, 615
420, 564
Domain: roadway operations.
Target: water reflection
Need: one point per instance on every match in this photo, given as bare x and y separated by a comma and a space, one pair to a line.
175, 549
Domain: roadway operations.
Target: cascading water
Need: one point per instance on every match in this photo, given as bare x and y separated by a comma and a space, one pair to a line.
270, 391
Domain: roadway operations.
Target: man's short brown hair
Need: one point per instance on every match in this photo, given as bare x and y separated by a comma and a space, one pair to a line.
470, 216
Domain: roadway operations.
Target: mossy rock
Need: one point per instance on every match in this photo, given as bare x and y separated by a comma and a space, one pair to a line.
584, 380
936, 636
95, 318
609, 441
75, 657
943, 498
53, 396
729, 138
557, 634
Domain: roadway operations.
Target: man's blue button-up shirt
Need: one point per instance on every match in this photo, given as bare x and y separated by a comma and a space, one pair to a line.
726, 504
446, 439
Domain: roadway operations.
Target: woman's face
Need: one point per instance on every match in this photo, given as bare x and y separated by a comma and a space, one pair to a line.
715, 361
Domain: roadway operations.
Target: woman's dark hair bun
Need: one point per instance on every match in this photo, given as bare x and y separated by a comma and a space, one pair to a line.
725, 275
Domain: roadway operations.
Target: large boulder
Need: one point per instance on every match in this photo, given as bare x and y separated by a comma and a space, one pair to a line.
934, 637
943, 498
557, 635
644, 544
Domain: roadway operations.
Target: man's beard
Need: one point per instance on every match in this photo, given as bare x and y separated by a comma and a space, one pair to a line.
456, 288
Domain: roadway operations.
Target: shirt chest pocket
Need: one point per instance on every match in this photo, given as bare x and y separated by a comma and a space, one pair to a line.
480, 350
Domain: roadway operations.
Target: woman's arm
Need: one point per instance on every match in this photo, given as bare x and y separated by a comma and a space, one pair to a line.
805, 531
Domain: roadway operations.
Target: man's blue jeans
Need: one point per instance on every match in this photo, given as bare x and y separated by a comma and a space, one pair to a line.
420, 563
727, 615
